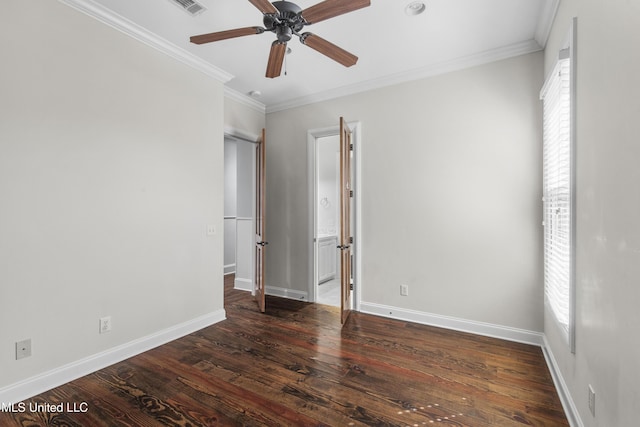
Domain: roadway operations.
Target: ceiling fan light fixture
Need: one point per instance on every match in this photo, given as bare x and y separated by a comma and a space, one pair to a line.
415, 8
284, 33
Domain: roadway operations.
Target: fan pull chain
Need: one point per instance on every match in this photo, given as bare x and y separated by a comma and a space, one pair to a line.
285, 62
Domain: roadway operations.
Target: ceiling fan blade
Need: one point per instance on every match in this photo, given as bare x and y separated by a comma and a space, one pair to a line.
228, 34
264, 6
330, 8
329, 49
276, 58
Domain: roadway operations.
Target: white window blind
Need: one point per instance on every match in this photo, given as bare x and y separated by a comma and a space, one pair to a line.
557, 192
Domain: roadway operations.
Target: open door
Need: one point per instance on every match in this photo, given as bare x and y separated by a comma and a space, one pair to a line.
260, 221
345, 238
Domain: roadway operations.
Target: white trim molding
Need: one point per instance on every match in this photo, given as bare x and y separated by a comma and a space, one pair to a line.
287, 293
245, 100
46, 381
243, 284
238, 134
510, 51
463, 325
569, 406
122, 24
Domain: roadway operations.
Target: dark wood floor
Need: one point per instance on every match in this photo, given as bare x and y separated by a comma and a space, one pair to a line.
296, 366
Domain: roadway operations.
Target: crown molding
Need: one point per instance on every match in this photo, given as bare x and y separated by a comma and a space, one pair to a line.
239, 134
545, 21
120, 23
108, 17
244, 100
470, 61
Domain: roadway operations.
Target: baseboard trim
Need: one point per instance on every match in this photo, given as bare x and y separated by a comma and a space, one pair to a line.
457, 324
287, 293
229, 269
569, 406
40, 383
243, 284
247, 285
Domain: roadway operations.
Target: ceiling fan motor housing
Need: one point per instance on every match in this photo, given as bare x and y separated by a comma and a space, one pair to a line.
287, 22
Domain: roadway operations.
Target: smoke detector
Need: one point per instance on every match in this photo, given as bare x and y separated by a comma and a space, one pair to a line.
415, 8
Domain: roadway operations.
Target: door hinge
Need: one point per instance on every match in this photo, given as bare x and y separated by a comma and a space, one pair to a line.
351, 286
350, 193
350, 147
350, 239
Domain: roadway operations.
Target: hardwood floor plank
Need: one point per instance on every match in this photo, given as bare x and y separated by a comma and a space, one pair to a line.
296, 365
277, 371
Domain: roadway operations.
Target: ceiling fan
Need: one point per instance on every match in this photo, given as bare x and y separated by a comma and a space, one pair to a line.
287, 19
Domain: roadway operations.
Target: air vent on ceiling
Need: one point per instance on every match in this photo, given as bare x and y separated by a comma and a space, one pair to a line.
190, 6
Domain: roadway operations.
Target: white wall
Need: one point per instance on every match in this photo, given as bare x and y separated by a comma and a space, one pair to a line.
111, 168
608, 208
451, 193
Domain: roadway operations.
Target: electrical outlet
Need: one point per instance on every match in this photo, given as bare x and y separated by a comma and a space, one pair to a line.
105, 324
23, 349
404, 290
592, 400
211, 230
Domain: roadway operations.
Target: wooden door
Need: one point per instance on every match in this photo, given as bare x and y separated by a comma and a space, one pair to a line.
260, 221
345, 238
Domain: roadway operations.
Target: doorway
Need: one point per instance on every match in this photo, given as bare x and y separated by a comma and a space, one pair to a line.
239, 208
324, 204
327, 207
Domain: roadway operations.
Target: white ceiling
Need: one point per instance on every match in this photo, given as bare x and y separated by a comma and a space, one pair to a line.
391, 46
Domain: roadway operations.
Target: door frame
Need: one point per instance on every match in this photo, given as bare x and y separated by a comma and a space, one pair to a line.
259, 220
312, 155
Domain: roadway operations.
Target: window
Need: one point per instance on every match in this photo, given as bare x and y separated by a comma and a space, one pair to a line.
558, 192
